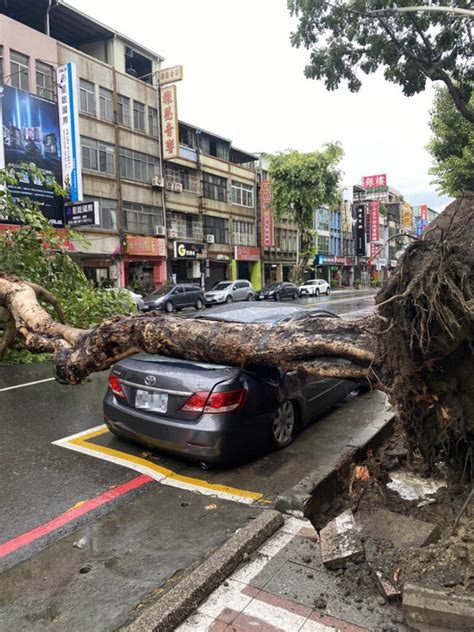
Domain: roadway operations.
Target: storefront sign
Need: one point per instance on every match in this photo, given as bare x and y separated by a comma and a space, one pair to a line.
360, 230
83, 214
30, 134
424, 212
340, 260
69, 128
421, 226
187, 250
247, 253
170, 75
374, 216
266, 215
374, 182
145, 246
374, 250
169, 123
350, 261
407, 215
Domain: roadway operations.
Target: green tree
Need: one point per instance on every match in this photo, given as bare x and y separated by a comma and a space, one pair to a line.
34, 250
452, 146
410, 47
301, 183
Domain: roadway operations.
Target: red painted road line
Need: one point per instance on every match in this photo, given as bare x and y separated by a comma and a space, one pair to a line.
38, 532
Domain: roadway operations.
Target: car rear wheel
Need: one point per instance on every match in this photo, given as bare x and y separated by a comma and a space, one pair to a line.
229, 299
284, 425
169, 307
250, 297
199, 304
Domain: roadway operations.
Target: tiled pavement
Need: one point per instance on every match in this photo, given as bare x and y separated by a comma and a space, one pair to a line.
276, 591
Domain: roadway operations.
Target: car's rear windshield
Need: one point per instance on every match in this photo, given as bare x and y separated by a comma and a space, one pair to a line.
221, 285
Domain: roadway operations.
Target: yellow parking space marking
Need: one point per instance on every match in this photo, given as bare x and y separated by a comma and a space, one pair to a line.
81, 443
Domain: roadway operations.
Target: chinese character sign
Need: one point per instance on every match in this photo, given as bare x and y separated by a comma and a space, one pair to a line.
266, 215
170, 75
374, 215
360, 230
374, 182
169, 123
374, 250
424, 212
407, 216
69, 131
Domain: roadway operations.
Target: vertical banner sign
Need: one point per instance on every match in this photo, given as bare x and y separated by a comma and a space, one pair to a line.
374, 250
374, 182
169, 122
407, 216
266, 215
69, 129
424, 212
374, 221
360, 230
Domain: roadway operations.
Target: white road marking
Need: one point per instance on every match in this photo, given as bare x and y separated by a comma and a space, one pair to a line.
11, 388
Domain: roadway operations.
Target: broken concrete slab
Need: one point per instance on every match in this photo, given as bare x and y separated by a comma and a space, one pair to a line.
403, 531
387, 589
340, 542
435, 611
411, 487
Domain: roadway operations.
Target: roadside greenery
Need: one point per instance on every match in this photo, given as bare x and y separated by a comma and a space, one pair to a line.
411, 48
35, 251
452, 146
302, 183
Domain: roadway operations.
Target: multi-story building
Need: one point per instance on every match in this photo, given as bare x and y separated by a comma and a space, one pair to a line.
191, 218
334, 244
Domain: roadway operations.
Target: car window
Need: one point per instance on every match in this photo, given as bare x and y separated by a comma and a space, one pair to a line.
178, 290
222, 285
190, 288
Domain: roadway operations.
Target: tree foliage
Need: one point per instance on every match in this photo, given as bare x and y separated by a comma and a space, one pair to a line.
301, 183
452, 146
35, 251
410, 47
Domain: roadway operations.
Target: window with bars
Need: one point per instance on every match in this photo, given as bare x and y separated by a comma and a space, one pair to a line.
244, 233
214, 188
217, 226
323, 245
187, 177
141, 218
98, 156
184, 225
123, 110
135, 165
323, 219
44, 81
242, 194
153, 128
107, 212
138, 116
105, 104
19, 70
87, 96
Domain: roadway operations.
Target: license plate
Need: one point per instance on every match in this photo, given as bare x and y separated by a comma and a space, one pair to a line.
148, 400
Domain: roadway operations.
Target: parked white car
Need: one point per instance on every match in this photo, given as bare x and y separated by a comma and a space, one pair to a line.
314, 287
230, 291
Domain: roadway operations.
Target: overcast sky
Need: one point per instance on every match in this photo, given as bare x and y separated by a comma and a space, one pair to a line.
244, 81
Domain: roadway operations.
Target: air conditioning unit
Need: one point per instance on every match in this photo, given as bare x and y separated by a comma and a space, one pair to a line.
210, 239
173, 233
159, 231
157, 182
177, 187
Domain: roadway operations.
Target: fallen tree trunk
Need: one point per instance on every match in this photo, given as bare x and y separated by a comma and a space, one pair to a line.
417, 346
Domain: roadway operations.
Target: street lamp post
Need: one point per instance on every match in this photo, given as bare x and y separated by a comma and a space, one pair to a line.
386, 13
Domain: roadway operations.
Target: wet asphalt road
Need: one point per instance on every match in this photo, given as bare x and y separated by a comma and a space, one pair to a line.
41, 481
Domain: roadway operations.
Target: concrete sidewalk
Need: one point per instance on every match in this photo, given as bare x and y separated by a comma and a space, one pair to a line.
284, 586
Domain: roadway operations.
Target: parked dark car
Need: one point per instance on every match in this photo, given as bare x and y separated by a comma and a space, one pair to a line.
216, 413
175, 297
278, 291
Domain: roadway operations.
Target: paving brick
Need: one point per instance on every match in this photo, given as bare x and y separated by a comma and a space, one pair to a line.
340, 542
386, 587
403, 531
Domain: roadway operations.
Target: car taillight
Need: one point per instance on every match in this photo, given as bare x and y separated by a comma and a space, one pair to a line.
215, 402
115, 386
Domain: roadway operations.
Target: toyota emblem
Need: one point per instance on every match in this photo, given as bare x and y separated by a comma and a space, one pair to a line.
150, 380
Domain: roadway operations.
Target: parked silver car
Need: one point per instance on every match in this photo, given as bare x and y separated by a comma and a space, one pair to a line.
230, 291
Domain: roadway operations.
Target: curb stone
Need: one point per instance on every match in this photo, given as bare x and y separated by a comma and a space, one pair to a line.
324, 482
435, 611
177, 604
